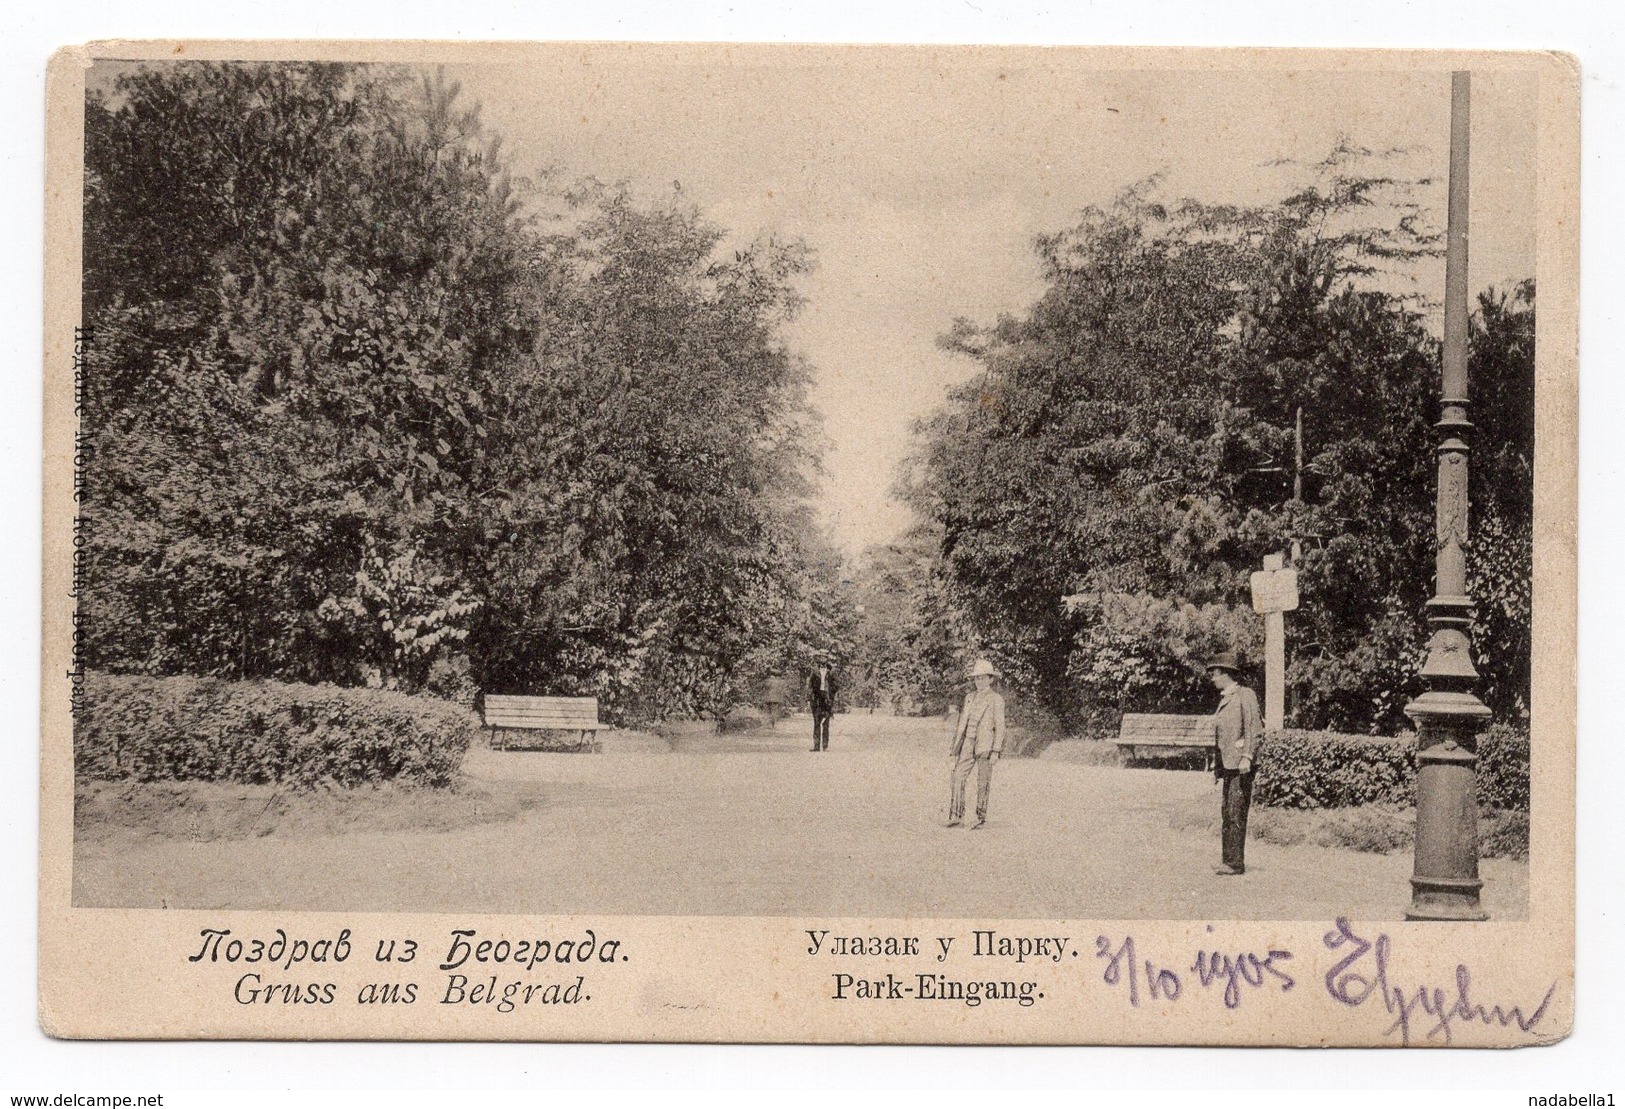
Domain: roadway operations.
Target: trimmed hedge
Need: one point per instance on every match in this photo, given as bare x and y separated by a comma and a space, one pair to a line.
1503, 768
207, 729
1329, 770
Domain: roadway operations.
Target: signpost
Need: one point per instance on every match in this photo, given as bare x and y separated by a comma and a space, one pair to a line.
1275, 593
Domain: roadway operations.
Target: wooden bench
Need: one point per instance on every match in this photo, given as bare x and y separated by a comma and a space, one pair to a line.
511, 712
1167, 733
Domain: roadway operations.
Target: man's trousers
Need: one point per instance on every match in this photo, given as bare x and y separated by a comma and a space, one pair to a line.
1238, 798
984, 782
821, 731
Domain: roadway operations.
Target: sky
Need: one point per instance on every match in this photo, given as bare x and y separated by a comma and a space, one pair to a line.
920, 176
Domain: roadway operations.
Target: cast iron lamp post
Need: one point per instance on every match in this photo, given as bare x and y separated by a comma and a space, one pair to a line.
1445, 883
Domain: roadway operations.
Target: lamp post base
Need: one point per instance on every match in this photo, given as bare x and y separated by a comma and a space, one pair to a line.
1445, 899
1445, 883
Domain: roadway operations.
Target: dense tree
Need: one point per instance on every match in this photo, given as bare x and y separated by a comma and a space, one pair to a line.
288, 272
366, 409
1503, 461
911, 642
1130, 443
663, 396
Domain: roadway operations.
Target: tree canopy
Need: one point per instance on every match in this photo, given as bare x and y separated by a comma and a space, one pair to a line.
1129, 443
365, 407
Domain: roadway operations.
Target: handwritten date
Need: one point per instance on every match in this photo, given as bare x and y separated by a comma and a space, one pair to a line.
1236, 973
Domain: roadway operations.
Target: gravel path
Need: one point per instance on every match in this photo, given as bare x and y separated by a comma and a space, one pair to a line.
759, 825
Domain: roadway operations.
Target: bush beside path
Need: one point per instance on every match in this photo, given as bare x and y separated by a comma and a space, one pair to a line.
777, 830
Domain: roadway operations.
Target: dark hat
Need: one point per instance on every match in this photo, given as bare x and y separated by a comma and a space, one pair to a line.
1224, 660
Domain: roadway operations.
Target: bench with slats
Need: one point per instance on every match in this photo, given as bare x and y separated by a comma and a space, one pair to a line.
1146, 733
507, 713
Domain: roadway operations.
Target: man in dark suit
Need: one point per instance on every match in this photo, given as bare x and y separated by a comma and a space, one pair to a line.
1237, 728
822, 688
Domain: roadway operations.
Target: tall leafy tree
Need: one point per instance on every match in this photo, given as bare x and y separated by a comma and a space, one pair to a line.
364, 406
669, 398
912, 643
1503, 441
1131, 443
296, 274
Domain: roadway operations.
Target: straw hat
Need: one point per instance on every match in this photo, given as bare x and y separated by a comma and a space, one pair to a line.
983, 669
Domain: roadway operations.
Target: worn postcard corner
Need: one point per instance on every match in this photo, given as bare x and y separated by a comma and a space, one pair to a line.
646, 542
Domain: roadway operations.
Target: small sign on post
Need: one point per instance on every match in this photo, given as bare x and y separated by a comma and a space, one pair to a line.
1274, 589
1275, 592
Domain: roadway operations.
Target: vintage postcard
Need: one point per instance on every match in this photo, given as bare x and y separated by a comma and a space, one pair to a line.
581, 542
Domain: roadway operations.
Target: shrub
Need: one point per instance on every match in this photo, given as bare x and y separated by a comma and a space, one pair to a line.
206, 729
1503, 834
1503, 768
1328, 770
451, 679
742, 718
1031, 729
1377, 829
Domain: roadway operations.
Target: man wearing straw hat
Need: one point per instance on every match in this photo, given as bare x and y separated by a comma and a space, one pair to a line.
1237, 726
978, 743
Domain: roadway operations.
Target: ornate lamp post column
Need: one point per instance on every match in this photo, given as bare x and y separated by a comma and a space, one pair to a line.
1445, 882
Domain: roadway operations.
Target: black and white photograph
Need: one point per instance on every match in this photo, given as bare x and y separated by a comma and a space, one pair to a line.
819, 484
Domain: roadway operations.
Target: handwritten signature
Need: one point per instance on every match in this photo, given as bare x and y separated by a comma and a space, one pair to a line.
1352, 981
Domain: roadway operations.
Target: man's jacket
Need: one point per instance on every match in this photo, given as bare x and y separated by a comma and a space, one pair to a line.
822, 695
1237, 726
981, 725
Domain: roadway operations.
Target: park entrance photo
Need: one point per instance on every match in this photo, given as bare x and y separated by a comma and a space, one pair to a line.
842, 483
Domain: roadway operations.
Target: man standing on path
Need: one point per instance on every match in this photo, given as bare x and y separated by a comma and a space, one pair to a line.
822, 689
978, 743
1237, 726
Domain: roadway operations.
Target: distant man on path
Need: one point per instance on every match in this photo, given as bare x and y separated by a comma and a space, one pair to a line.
978, 743
1237, 726
821, 686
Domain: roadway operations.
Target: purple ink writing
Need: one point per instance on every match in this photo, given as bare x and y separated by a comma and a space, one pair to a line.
1355, 978
1124, 967
1245, 969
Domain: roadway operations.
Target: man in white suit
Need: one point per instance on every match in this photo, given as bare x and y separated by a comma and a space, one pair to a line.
978, 743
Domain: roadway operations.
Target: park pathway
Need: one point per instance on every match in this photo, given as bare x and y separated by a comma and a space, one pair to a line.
756, 824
